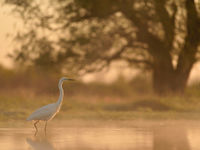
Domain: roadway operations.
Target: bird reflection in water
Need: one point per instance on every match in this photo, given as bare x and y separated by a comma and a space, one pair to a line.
40, 143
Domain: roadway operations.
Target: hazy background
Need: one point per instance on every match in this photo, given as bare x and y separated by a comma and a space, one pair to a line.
30, 54
136, 66
10, 25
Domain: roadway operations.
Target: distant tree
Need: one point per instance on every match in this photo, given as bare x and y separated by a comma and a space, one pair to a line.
87, 35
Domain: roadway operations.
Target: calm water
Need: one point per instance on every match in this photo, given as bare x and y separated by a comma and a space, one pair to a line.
154, 137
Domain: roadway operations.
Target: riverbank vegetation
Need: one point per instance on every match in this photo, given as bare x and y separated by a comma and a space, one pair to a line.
21, 94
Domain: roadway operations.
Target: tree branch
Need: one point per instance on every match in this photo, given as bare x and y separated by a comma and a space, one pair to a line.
168, 22
143, 34
188, 53
138, 61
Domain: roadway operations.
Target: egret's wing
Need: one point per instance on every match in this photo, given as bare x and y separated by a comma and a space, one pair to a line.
43, 113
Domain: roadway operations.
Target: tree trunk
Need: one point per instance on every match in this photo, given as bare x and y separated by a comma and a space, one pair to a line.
174, 80
166, 78
165, 82
168, 81
162, 78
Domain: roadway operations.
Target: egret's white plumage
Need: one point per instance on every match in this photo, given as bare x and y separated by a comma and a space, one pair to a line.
47, 112
44, 113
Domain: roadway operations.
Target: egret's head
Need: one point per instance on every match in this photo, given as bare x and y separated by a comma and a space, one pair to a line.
65, 78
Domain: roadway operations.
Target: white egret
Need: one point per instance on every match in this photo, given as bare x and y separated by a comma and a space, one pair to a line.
47, 112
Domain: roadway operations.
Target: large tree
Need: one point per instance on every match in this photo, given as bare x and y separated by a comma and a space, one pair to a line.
87, 35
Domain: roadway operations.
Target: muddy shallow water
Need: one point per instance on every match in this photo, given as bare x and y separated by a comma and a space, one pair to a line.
157, 136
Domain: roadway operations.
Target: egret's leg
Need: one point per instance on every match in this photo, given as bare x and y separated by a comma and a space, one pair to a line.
45, 128
36, 130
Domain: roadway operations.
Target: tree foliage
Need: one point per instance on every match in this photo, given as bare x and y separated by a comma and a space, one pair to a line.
87, 35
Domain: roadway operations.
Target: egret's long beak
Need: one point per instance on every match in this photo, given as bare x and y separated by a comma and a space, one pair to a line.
71, 79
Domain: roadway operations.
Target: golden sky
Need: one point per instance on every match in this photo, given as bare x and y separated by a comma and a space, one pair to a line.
7, 27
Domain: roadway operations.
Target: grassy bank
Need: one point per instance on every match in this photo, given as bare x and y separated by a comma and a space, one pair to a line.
18, 107
21, 95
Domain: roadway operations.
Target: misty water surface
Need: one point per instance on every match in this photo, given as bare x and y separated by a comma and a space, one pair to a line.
159, 137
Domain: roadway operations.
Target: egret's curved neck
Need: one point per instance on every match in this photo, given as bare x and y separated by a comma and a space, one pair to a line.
60, 99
